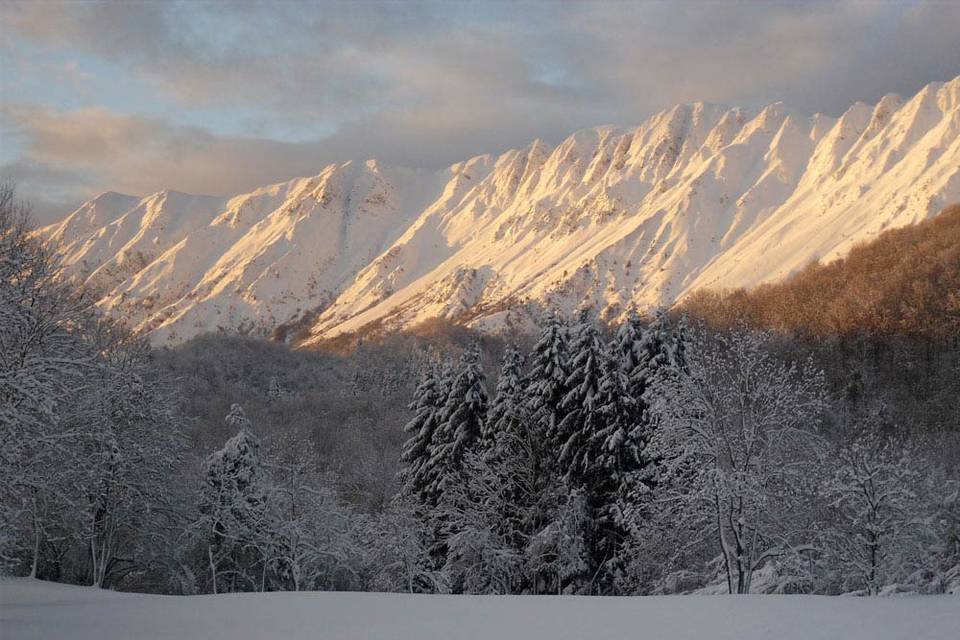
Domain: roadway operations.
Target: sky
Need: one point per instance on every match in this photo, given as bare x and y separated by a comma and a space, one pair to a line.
219, 98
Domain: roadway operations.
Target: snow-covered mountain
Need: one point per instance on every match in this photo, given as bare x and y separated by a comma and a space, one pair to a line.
697, 196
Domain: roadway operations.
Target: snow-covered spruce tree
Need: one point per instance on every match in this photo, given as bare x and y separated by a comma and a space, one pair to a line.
738, 444
880, 533
646, 353
507, 527
460, 424
428, 400
503, 474
424, 476
507, 412
575, 435
599, 450
616, 441
233, 508
546, 384
643, 349
657, 349
545, 388
678, 345
575, 439
626, 343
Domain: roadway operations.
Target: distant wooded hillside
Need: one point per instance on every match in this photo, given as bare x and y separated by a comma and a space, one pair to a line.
905, 283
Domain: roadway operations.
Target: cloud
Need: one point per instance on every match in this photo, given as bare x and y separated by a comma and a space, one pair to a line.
141, 155
421, 84
816, 56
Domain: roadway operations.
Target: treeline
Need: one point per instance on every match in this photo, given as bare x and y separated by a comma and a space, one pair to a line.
903, 284
667, 460
341, 408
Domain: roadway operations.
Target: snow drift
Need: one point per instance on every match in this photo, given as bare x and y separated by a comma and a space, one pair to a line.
32, 609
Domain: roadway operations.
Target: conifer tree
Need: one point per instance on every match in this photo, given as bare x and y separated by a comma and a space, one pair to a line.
576, 433
460, 423
648, 355
678, 351
644, 353
233, 501
428, 399
618, 449
626, 344
657, 351
506, 413
635, 346
431, 467
547, 381
595, 433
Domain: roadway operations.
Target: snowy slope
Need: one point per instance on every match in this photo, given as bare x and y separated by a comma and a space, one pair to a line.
697, 196
175, 265
30, 609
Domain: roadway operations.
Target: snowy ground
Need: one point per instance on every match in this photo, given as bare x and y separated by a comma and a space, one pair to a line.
34, 609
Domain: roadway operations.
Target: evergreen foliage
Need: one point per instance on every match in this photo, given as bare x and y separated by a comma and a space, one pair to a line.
547, 379
460, 423
576, 436
428, 400
507, 412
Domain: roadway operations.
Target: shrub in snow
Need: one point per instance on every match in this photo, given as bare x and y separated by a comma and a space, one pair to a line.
394, 549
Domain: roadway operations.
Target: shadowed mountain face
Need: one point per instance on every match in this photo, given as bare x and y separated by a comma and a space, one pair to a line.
699, 196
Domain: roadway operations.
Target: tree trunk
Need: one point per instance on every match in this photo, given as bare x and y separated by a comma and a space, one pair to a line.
213, 568
35, 563
36, 551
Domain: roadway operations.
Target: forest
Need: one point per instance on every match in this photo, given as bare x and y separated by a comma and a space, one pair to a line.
903, 284
771, 441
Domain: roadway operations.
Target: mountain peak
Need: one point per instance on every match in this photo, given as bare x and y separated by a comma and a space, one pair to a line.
113, 196
698, 195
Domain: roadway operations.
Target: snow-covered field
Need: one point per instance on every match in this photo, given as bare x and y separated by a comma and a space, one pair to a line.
35, 609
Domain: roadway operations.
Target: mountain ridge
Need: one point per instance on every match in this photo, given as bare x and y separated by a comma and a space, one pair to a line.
697, 196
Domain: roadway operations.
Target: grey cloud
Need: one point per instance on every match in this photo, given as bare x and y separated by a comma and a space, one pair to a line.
816, 56
427, 84
141, 155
